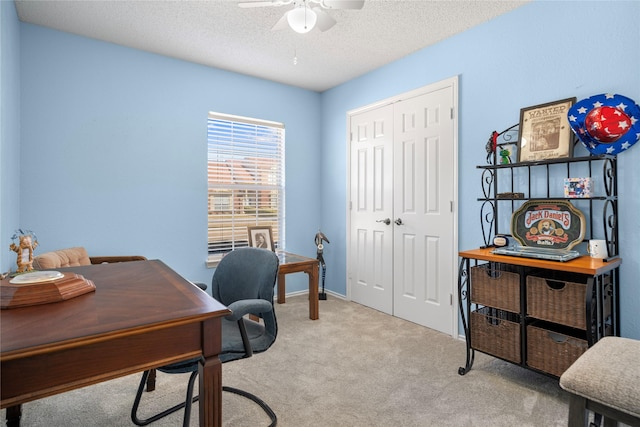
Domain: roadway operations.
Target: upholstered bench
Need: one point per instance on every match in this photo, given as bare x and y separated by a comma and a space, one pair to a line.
73, 257
605, 380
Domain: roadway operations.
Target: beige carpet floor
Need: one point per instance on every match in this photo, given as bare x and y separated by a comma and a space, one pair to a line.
352, 367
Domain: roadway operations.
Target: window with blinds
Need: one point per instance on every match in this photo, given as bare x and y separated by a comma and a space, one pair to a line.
246, 181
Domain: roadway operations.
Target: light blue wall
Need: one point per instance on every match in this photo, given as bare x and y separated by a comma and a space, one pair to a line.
541, 52
9, 131
114, 149
113, 139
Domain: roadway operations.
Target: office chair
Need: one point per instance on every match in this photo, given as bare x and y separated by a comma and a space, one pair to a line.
244, 282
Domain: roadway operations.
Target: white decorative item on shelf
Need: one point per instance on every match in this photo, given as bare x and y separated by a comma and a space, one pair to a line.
598, 249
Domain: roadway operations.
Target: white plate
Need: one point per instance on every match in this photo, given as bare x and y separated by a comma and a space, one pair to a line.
37, 277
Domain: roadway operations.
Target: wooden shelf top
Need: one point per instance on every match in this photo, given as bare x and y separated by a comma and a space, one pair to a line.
582, 265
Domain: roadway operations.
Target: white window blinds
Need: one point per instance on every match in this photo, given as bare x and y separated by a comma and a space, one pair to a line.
246, 181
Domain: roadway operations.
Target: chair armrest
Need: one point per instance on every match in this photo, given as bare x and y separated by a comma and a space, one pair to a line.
201, 285
248, 306
110, 259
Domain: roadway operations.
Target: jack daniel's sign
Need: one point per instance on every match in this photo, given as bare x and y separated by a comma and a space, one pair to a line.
550, 224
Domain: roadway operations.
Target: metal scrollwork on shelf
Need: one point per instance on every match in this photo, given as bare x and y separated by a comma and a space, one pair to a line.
487, 221
487, 179
462, 282
463, 287
610, 227
509, 134
609, 173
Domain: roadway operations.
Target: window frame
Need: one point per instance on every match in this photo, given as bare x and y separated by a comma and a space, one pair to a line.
246, 175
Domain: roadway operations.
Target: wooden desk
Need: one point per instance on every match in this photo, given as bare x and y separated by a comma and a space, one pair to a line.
292, 263
142, 315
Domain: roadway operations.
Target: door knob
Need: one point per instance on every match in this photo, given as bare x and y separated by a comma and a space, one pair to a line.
387, 221
398, 221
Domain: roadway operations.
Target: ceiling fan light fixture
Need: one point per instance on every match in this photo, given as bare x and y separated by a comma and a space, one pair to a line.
302, 19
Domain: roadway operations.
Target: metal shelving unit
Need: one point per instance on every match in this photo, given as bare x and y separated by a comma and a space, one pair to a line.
505, 188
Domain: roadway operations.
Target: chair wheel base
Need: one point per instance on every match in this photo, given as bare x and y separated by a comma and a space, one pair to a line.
257, 400
190, 399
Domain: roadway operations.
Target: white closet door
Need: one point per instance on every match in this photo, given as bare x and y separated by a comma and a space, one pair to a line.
371, 237
423, 202
403, 168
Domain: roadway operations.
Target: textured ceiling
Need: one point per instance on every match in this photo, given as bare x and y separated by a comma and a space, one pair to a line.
220, 34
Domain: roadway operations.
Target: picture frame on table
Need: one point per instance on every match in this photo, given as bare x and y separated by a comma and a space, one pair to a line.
545, 132
261, 236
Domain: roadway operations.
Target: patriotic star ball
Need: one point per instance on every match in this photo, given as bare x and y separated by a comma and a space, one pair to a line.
606, 123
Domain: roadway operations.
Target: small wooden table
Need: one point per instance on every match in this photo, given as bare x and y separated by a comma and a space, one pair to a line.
292, 263
143, 315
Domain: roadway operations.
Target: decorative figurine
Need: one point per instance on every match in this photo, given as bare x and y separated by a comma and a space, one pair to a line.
491, 145
320, 237
27, 243
503, 149
505, 155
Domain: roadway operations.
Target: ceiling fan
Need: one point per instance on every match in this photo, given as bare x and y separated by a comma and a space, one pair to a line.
306, 14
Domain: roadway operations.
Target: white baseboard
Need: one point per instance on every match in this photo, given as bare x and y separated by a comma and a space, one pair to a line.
306, 292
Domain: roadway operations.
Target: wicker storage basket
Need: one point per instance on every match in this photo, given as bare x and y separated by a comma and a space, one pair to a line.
552, 352
496, 332
557, 300
495, 287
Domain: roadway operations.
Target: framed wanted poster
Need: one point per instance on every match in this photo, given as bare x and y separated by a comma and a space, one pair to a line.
545, 132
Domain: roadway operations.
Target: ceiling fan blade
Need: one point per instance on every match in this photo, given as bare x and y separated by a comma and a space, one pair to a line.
281, 24
343, 4
325, 21
250, 4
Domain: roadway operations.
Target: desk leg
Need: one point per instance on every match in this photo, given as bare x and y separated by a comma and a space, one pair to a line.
210, 375
151, 380
210, 401
281, 288
313, 292
13, 415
